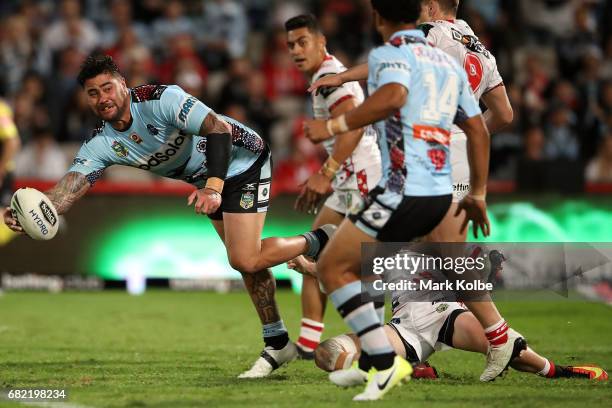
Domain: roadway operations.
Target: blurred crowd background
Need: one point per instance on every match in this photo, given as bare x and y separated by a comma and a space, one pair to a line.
554, 55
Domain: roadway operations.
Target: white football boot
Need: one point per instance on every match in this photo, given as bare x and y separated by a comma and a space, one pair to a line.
499, 358
350, 377
270, 360
381, 382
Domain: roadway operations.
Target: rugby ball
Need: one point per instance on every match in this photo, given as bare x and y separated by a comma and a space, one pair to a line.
36, 213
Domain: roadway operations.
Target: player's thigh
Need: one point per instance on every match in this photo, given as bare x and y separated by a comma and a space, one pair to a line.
327, 216
343, 251
449, 229
243, 234
468, 334
219, 227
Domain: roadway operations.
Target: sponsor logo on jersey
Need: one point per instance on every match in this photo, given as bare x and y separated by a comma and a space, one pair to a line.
119, 149
47, 213
78, 160
432, 134
247, 200
153, 130
249, 187
474, 69
186, 107
396, 66
169, 150
135, 138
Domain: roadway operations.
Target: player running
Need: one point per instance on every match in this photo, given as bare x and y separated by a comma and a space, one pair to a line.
352, 169
457, 39
416, 92
166, 131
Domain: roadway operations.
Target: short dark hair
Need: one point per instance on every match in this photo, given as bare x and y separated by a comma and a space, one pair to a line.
398, 11
308, 21
449, 5
95, 65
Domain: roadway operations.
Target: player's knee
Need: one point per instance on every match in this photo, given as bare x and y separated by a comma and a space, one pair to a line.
244, 264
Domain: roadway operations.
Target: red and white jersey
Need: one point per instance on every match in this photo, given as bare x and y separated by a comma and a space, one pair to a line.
360, 169
457, 39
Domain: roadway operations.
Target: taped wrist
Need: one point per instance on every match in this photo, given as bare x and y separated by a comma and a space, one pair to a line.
218, 152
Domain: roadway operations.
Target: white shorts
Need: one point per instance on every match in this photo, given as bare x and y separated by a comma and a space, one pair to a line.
345, 201
460, 168
421, 325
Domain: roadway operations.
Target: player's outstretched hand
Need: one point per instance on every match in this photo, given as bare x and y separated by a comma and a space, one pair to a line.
207, 201
475, 211
303, 266
10, 221
316, 130
312, 193
328, 80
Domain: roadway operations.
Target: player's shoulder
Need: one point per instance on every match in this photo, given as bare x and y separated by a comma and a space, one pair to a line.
331, 65
5, 108
145, 93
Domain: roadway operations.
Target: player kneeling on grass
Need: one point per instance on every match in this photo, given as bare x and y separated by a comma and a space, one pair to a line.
442, 325
164, 130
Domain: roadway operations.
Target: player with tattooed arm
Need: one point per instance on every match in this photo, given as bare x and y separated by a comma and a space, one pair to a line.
164, 130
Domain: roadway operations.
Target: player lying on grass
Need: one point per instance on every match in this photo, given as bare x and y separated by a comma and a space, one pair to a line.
352, 169
458, 328
418, 329
439, 22
164, 130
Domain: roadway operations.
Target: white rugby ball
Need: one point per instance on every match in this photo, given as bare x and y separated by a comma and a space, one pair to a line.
36, 213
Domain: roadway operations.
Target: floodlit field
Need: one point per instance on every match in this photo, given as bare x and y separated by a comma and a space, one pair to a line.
169, 349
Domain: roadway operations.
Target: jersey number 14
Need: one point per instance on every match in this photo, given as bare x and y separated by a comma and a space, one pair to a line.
442, 103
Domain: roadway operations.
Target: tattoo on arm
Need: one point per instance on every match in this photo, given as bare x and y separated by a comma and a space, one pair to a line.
214, 124
261, 286
69, 189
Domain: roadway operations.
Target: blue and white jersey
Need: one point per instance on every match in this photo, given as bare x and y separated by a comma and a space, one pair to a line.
414, 142
163, 138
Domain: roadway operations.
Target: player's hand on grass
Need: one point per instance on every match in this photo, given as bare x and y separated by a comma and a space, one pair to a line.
10, 220
475, 211
207, 201
316, 130
329, 80
303, 266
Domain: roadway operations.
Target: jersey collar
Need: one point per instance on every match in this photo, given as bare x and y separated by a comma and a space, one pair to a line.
410, 33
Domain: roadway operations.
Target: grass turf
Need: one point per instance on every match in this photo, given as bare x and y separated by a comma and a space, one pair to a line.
169, 349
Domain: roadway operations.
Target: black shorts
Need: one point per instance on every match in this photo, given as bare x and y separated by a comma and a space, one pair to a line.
7, 189
248, 192
414, 217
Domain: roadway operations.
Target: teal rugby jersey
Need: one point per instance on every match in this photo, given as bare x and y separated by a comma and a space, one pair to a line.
163, 138
414, 142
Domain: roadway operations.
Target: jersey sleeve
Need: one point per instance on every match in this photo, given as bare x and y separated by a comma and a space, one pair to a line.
91, 160
431, 32
468, 105
495, 79
183, 111
388, 65
333, 95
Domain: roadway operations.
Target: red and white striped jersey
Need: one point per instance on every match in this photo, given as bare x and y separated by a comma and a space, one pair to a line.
457, 39
366, 154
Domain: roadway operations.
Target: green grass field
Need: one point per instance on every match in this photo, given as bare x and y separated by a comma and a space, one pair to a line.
169, 349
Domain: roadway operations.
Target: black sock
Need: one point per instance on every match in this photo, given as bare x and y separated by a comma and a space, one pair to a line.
277, 342
382, 361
